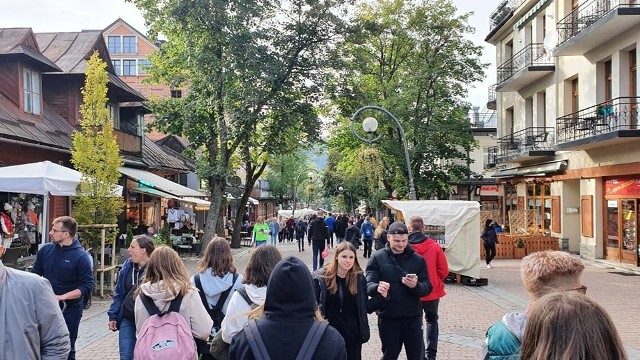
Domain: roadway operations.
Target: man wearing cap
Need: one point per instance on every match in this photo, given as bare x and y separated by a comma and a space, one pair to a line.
405, 272
33, 324
65, 264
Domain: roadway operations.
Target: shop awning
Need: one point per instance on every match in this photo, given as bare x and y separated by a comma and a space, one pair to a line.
253, 201
148, 180
154, 192
199, 202
546, 169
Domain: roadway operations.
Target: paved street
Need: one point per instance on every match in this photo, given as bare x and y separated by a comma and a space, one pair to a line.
465, 313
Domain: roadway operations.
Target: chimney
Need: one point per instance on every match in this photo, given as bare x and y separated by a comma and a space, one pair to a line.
476, 117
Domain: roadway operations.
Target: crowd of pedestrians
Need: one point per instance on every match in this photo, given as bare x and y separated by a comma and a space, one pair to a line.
278, 309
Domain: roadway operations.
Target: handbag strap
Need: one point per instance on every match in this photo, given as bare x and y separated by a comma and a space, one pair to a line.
395, 262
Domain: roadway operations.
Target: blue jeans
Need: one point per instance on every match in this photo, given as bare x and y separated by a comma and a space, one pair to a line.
72, 315
274, 238
317, 254
127, 339
431, 315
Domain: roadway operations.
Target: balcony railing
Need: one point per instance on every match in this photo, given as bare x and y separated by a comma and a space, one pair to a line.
532, 54
612, 115
492, 93
586, 14
492, 157
529, 139
503, 11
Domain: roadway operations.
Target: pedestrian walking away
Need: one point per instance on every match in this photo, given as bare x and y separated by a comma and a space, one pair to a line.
331, 221
340, 228
301, 229
489, 240
438, 270
217, 279
319, 236
380, 235
65, 264
121, 314
341, 293
400, 321
34, 327
290, 313
366, 232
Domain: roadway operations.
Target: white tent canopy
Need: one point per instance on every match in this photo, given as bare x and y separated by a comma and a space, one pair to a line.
461, 220
42, 178
299, 213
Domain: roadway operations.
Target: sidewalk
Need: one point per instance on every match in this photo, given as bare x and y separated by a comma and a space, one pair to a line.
465, 313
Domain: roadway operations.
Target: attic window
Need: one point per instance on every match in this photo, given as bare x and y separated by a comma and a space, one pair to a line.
31, 84
176, 93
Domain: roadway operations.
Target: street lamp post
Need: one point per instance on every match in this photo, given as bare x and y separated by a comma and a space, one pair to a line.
370, 125
310, 172
344, 191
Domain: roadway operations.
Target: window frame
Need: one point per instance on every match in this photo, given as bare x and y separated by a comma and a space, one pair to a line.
129, 64
117, 48
130, 47
32, 102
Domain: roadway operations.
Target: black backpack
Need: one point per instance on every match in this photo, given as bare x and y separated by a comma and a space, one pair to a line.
215, 313
306, 351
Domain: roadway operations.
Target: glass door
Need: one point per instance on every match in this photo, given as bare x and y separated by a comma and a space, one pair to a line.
628, 230
612, 247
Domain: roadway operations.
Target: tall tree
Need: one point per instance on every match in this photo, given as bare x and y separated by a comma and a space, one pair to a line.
245, 61
412, 59
95, 154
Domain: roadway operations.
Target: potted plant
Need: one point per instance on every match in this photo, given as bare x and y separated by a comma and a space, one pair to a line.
519, 252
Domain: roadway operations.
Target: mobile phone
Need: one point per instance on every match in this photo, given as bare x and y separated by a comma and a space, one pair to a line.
411, 276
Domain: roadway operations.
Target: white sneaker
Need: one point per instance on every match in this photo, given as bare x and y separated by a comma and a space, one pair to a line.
488, 266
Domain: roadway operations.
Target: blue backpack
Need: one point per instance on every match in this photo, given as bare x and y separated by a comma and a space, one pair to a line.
367, 231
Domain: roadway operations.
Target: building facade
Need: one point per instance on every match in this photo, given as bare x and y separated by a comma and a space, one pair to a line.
568, 135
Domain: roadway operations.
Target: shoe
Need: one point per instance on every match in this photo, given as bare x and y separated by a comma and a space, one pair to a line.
488, 266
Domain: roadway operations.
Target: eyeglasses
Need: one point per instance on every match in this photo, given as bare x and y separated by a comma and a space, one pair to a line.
56, 231
582, 289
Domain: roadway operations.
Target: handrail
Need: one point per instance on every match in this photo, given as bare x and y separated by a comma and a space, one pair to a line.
528, 139
532, 54
585, 15
492, 93
611, 115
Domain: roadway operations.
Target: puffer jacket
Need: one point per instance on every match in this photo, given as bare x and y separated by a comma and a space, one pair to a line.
402, 301
34, 327
504, 338
437, 266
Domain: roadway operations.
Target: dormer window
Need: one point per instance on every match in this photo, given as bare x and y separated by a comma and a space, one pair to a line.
31, 84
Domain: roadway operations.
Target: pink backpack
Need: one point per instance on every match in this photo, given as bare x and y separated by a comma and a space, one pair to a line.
164, 335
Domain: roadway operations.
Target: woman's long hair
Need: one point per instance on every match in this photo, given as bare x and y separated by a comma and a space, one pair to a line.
352, 275
218, 257
382, 226
165, 265
569, 326
260, 265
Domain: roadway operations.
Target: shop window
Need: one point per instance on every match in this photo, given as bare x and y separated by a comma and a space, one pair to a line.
586, 215
539, 200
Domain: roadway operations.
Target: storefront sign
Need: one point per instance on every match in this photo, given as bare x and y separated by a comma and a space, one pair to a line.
489, 190
622, 187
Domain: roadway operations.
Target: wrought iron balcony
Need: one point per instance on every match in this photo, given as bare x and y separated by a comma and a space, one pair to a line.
491, 102
527, 65
504, 11
531, 142
593, 23
612, 119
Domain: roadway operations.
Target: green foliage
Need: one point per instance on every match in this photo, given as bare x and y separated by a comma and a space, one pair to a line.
129, 235
95, 154
281, 174
165, 236
520, 243
412, 59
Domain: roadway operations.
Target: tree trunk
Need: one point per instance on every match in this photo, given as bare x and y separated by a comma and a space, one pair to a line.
212, 227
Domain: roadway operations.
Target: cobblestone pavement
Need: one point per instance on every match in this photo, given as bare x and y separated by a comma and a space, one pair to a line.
465, 313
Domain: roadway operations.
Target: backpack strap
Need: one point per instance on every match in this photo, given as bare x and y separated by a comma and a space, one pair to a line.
243, 292
148, 303
175, 305
203, 298
221, 300
256, 343
312, 340
225, 294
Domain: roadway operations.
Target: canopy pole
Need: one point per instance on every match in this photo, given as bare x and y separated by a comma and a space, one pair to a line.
45, 219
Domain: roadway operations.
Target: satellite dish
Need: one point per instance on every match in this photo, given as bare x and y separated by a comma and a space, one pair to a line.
550, 41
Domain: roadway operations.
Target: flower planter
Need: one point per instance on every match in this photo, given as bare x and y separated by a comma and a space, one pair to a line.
519, 253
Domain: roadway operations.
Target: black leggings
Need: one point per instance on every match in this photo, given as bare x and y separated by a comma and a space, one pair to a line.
490, 250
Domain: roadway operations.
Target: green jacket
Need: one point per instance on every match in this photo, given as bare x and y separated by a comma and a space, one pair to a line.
261, 235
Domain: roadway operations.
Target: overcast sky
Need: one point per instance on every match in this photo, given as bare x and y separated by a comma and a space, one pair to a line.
76, 15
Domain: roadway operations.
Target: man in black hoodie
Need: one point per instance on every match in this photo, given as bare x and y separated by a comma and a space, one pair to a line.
290, 309
400, 322
319, 237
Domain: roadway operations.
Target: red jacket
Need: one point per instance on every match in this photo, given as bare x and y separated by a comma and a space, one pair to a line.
437, 266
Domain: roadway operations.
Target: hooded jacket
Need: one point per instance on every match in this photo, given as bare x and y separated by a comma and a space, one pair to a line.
214, 285
437, 266
504, 338
341, 227
289, 312
318, 231
128, 277
402, 301
66, 267
191, 308
238, 309
34, 327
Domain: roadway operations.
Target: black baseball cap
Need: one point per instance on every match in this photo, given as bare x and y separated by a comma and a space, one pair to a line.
397, 228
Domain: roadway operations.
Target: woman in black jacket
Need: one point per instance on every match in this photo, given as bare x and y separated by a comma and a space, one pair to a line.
341, 292
489, 240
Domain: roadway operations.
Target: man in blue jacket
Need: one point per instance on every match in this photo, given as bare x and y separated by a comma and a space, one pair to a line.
67, 267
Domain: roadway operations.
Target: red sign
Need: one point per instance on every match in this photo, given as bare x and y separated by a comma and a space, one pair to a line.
622, 187
489, 190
